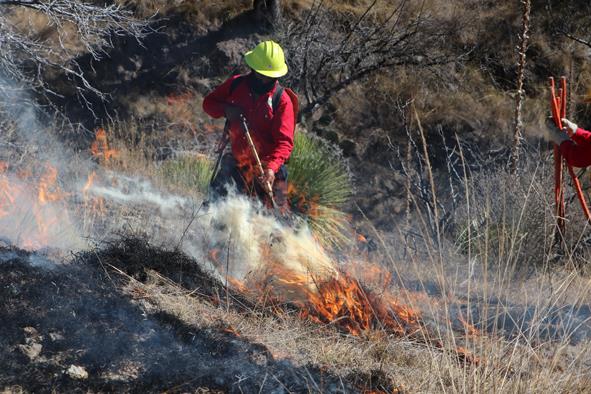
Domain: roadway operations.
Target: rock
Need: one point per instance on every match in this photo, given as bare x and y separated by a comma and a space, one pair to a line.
31, 331
32, 335
77, 372
348, 147
55, 336
32, 351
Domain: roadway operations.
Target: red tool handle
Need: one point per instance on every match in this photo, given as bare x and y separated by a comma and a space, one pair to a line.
558, 105
558, 194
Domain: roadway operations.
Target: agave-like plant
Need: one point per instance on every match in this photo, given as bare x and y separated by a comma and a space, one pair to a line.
319, 187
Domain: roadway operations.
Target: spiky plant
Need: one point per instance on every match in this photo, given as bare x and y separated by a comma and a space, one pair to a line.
319, 187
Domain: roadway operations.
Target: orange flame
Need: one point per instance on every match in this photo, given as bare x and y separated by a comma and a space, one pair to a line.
343, 302
100, 146
95, 206
471, 330
8, 195
301, 203
214, 255
36, 209
48, 190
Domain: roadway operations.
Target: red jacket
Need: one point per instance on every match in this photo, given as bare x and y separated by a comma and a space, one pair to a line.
272, 133
577, 150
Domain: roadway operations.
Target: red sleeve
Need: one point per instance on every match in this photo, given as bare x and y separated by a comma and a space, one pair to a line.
282, 131
214, 102
582, 137
577, 155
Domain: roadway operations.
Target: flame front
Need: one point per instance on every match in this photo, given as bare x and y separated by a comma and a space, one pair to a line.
344, 302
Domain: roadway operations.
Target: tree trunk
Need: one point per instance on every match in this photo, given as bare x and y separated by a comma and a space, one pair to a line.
268, 11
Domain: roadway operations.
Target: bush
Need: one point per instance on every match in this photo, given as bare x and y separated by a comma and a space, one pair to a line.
319, 187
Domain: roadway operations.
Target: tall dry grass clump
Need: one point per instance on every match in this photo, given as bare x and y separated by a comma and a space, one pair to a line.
501, 282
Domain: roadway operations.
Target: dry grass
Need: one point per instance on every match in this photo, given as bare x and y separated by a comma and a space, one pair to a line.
500, 271
203, 14
523, 363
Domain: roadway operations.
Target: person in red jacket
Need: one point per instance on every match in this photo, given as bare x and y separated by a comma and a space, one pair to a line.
576, 150
269, 113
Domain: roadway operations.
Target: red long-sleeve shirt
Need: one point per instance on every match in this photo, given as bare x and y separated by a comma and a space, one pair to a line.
577, 150
272, 133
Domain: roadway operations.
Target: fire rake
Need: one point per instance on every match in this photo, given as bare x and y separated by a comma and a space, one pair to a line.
558, 107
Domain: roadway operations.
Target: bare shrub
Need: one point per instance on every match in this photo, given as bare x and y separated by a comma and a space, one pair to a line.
24, 57
329, 51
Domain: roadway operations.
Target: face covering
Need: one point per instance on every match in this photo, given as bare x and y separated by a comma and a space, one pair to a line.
260, 87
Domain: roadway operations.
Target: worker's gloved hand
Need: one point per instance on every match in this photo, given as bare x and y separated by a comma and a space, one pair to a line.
232, 112
267, 180
553, 134
570, 127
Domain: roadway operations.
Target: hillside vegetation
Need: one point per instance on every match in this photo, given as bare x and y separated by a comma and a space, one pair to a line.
417, 263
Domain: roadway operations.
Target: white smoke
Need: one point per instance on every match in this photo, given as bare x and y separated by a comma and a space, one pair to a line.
135, 191
245, 237
251, 243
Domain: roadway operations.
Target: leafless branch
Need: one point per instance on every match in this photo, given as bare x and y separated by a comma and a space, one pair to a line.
576, 39
325, 58
25, 58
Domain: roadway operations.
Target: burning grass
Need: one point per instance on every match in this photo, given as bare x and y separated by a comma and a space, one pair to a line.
340, 322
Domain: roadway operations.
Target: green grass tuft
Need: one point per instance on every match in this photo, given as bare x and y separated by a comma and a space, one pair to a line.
189, 172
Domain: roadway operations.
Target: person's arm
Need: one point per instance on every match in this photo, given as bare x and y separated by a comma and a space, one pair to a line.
282, 131
215, 104
576, 155
582, 137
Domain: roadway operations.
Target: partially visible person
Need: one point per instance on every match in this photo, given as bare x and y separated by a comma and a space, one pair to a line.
574, 143
269, 112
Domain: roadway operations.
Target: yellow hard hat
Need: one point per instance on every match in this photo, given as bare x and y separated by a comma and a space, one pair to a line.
267, 58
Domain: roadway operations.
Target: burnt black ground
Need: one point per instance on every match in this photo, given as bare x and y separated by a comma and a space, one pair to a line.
81, 318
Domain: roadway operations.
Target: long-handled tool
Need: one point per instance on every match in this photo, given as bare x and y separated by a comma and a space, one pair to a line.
558, 106
259, 166
221, 147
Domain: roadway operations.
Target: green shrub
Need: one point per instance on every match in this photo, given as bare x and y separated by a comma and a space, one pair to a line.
319, 187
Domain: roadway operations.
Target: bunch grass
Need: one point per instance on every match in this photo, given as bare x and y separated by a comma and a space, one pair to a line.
320, 187
190, 173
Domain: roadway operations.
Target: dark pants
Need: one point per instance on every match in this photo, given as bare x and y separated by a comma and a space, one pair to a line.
230, 174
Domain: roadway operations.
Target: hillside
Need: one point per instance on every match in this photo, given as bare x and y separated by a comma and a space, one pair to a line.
425, 266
